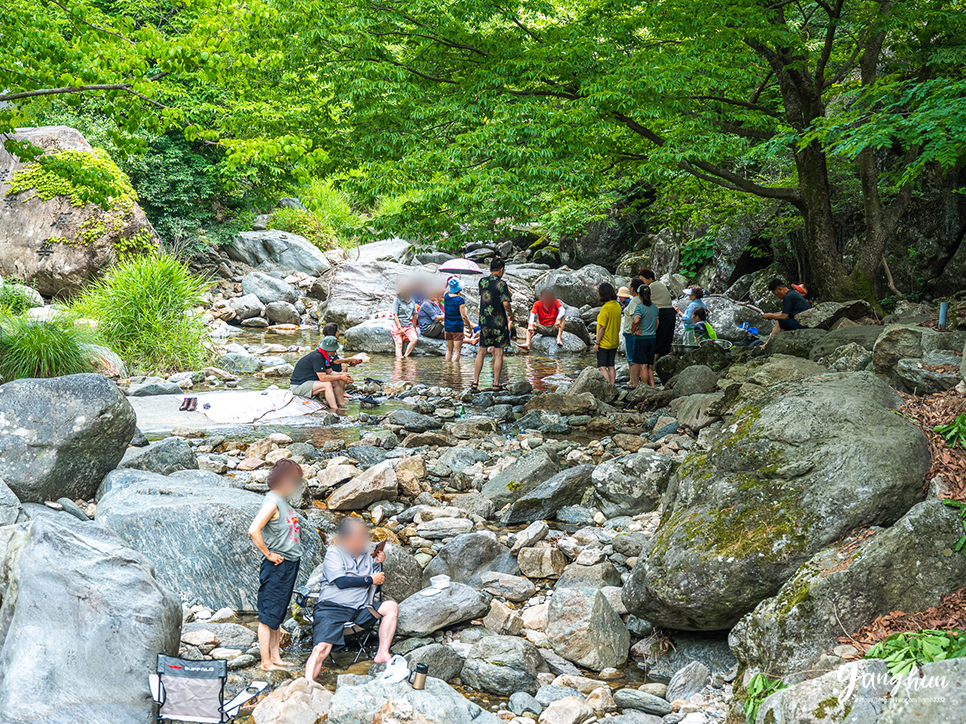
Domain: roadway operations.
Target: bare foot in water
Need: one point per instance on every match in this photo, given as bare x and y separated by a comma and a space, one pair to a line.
382, 659
273, 667
283, 663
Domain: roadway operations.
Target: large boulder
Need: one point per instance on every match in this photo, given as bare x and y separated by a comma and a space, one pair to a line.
360, 289
358, 698
501, 664
59, 437
631, 484
467, 557
548, 347
900, 341
395, 250
795, 342
377, 483
578, 287
825, 314
421, 615
583, 628
591, 380
934, 372
726, 316
277, 251
907, 567
864, 335
53, 241
82, 622
563, 489
268, 289
522, 476
375, 337
695, 380
11, 511
163, 457
790, 474
197, 536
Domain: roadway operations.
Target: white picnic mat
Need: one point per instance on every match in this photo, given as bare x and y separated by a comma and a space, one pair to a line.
248, 406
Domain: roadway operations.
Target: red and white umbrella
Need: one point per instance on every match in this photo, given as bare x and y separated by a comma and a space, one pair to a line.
460, 266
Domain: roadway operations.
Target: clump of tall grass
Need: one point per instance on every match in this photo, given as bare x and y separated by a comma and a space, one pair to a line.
145, 310
15, 298
304, 223
332, 207
33, 348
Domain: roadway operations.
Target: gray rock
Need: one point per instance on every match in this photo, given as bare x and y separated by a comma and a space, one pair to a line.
695, 380
70, 507
499, 664
404, 575
440, 528
642, 701
413, 421
229, 635
688, 681
849, 357
239, 363
899, 342
467, 557
631, 484
357, 699
591, 380
162, 520
247, 307
795, 342
825, 314
862, 335
367, 455
278, 251
422, 615
163, 457
11, 511
512, 588
150, 386
711, 649
548, 694
123, 477
548, 347
138, 439
77, 585
521, 477
521, 702
538, 419
908, 567
726, 316
443, 661
935, 372
268, 289
595, 576
59, 437
731, 537
542, 502
583, 628
576, 288
282, 313
697, 412
631, 716
474, 504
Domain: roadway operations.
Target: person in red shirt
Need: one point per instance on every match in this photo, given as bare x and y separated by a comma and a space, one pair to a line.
546, 318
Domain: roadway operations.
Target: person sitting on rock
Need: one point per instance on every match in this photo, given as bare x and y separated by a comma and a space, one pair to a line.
793, 303
546, 318
320, 373
404, 309
695, 301
431, 316
275, 533
702, 327
348, 572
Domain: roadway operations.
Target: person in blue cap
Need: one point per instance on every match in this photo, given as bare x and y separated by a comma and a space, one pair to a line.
455, 320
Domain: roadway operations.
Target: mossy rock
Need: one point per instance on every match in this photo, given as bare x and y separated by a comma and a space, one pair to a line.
795, 468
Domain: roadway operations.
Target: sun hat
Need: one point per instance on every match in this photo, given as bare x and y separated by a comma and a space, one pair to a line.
623, 293
329, 344
455, 285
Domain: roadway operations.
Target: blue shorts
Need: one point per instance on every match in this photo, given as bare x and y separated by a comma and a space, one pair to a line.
275, 586
644, 350
629, 347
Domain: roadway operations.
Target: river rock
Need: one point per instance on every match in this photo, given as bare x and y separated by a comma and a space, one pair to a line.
77, 586
467, 557
247, 306
11, 511
631, 484
542, 562
501, 664
282, 313
124, 477
849, 357
688, 681
443, 661
548, 347
907, 567
413, 421
668, 366
900, 341
641, 701
512, 588
935, 372
795, 342
542, 502
395, 250
664, 660
299, 702
277, 251
575, 288
583, 628
150, 386
562, 403
596, 575
696, 412
162, 520
404, 575
695, 380
268, 289
60, 436
358, 698
825, 314
741, 518
522, 476
163, 457
591, 380
423, 615
30, 226
377, 483
444, 528
726, 317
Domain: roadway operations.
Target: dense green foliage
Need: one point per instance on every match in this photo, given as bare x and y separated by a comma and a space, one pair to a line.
14, 298
760, 687
954, 432
904, 651
304, 223
443, 119
31, 348
146, 311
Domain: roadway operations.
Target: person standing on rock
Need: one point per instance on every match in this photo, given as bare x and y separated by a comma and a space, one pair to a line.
275, 533
793, 303
496, 320
608, 332
644, 327
349, 570
628, 304
661, 297
320, 373
403, 312
431, 316
546, 318
455, 320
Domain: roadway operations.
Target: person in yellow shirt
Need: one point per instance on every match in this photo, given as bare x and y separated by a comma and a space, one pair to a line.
608, 331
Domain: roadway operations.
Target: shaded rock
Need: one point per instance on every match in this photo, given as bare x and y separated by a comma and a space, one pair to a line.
562, 404
247, 306
163, 457
548, 347
795, 342
862, 335
521, 477
421, 615
899, 342
710, 649
59, 437
695, 380
443, 661
467, 557
688, 681
376, 483
413, 421
595, 576
500, 664
277, 251
268, 289
77, 585
563, 489
741, 518
935, 372
825, 314
583, 628
631, 484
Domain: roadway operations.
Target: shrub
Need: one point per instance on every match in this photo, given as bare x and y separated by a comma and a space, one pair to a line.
333, 207
144, 309
30, 348
304, 223
15, 298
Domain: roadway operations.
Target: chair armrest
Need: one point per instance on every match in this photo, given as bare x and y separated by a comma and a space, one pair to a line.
157, 690
243, 697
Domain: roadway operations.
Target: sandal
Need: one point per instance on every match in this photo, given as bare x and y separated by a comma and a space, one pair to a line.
474, 387
184, 404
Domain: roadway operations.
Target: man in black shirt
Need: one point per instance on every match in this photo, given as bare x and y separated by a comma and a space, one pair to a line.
793, 303
315, 374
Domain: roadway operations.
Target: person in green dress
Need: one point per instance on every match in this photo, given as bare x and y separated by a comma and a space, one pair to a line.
496, 321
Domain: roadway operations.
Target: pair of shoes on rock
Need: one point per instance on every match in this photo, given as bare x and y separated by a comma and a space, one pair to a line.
189, 404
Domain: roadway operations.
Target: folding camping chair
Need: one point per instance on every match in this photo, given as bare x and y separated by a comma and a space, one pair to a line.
305, 601
194, 691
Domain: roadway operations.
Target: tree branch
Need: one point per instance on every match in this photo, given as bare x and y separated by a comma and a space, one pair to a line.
93, 27
741, 104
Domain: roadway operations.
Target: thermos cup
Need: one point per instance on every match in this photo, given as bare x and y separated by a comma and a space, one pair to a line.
417, 677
